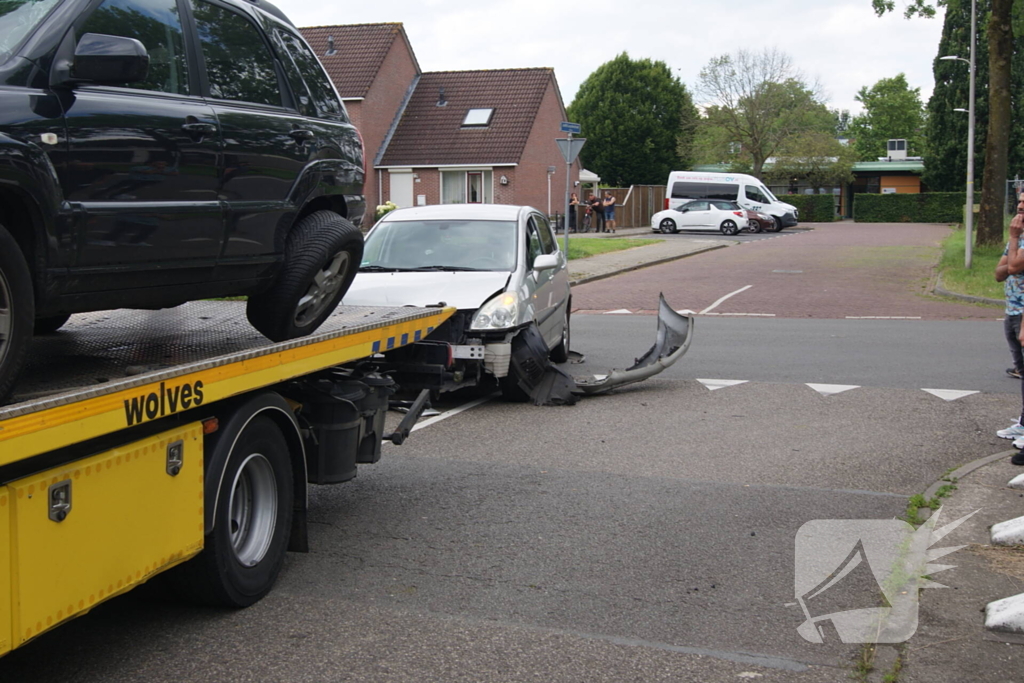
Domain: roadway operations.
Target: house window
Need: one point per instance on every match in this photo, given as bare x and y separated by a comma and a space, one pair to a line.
466, 187
478, 117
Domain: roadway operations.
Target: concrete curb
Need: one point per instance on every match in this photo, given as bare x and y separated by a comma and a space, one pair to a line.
1006, 615
964, 470
939, 290
1010, 532
638, 266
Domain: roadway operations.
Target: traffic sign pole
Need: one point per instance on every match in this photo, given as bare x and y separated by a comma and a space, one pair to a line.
570, 148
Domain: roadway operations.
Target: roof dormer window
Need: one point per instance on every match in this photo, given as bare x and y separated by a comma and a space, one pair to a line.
477, 118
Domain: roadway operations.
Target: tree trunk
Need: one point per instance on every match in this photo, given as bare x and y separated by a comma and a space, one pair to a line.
997, 143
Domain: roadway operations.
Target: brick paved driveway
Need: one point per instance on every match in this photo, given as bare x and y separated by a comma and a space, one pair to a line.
836, 270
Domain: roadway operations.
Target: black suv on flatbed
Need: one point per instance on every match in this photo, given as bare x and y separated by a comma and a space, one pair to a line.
153, 152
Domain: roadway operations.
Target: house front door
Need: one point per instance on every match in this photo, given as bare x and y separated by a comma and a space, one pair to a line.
401, 189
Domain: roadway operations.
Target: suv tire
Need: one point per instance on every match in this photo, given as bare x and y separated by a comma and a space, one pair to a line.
17, 311
322, 257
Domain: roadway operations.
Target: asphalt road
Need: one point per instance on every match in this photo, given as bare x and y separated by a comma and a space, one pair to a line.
647, 535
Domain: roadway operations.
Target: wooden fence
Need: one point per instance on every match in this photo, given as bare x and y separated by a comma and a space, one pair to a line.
634, 205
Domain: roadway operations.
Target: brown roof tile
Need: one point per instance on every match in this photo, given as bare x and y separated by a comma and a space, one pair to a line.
360, 50
429, 135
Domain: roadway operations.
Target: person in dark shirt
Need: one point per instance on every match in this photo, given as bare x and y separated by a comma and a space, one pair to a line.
596, 212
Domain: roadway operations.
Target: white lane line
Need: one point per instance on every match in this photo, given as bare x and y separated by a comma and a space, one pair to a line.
750, 315
451, 413
619, 311
715, 305
883, 317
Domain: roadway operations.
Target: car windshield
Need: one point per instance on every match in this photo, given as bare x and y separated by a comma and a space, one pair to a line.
767, 193
18, 18
441, 245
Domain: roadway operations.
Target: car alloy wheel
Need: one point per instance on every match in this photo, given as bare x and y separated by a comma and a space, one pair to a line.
729, 228
667, 226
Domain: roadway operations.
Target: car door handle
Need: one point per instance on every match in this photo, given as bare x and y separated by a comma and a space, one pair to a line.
197, 128
302, 135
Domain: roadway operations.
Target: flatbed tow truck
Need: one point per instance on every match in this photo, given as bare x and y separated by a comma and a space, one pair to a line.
180, 441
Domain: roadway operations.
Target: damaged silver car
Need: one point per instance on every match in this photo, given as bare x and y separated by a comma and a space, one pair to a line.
499, 265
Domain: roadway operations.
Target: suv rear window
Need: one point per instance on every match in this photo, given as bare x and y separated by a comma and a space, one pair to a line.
307, 76
18, 18
239, 65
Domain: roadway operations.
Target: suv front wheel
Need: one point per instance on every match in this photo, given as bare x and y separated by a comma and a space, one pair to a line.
322, 257
17, 311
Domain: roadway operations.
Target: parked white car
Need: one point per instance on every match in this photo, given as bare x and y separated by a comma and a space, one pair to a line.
499, 265
701, 214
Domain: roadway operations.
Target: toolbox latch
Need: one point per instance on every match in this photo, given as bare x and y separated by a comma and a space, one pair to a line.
60, 500
175, 457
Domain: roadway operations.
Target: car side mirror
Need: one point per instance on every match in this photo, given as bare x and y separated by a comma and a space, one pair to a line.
545, 262
101, 58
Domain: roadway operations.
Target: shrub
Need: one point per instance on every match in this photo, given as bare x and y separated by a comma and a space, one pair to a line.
384, 209
927, 207
813, 208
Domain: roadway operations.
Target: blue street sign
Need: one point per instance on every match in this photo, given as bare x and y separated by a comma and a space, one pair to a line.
567, 127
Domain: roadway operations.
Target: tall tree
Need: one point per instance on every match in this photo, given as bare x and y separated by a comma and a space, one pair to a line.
758, 100
633, 113
892, 109
997, 141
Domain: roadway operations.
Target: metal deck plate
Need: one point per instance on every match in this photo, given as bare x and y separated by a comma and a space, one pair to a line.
113, 348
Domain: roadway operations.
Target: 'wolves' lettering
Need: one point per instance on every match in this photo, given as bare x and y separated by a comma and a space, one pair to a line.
163, 402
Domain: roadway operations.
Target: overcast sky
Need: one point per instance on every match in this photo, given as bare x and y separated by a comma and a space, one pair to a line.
839, 42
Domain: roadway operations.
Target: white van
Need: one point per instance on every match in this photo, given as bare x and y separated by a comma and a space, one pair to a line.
745, 190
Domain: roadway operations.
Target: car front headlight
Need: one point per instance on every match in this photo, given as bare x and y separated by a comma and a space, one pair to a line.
501, 312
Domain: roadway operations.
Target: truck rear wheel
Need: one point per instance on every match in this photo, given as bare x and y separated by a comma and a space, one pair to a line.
321, 259
17, 311
245, 550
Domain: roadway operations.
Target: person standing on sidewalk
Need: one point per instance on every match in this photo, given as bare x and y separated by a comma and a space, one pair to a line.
597, 212
574, 201
609, 211
1013, 284
1013, 263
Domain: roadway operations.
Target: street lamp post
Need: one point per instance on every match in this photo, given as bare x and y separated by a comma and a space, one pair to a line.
969, 217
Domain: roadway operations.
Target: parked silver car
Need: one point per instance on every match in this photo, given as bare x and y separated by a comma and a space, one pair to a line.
499, 265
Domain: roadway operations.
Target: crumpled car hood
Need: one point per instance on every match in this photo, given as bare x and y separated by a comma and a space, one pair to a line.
465, 290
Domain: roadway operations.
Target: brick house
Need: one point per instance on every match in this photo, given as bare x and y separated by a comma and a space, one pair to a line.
446, 137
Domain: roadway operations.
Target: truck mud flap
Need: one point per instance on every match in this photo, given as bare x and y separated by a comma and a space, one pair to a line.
547, 384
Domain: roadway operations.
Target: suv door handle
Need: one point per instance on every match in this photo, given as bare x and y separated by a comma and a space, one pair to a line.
197, 128
301, 135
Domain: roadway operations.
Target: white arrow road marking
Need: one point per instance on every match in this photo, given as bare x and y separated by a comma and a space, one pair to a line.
685, 311
621, 311
713, 384
714, 305
832, 389
949, 394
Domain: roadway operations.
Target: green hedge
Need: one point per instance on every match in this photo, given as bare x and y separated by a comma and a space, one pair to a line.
927, 207
813, 208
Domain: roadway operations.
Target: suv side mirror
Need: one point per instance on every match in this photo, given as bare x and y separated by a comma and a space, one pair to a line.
110, 59
545, 262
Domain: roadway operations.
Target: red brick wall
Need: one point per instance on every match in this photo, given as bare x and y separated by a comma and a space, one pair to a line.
377, 111
531, 184
506, 194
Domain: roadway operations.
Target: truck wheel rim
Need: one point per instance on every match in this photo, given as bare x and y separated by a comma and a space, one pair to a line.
6, 317
253, 510
322, 290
